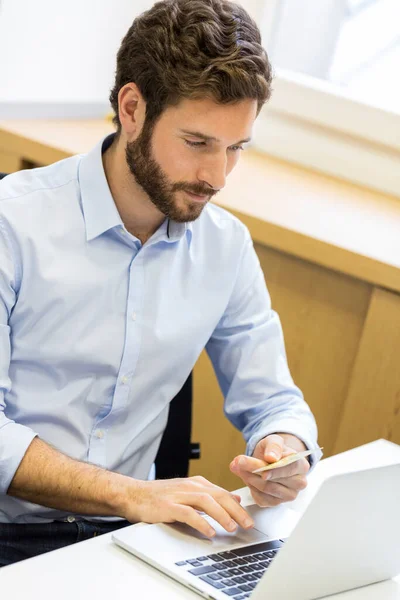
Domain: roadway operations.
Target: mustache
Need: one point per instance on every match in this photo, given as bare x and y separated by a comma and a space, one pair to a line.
197, 189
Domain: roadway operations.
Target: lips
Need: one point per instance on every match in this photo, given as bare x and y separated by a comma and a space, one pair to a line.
197, 197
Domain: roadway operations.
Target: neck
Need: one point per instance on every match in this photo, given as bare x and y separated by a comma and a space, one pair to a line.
139, 215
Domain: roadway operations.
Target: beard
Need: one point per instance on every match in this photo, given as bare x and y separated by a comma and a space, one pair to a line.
158, 187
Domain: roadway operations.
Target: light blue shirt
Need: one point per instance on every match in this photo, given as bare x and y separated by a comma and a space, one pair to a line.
99, 332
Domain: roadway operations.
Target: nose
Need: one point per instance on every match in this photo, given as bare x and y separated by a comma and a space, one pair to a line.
213, 171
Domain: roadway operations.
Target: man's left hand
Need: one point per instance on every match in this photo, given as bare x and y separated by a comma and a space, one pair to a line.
275, 486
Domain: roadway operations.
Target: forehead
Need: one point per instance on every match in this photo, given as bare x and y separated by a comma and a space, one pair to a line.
222, 121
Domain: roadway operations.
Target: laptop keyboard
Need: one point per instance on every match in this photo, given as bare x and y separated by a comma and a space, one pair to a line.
234, 573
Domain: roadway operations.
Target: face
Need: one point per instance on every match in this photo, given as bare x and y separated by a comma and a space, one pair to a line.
183, 161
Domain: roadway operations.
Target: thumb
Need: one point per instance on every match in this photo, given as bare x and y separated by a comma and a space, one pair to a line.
273, 448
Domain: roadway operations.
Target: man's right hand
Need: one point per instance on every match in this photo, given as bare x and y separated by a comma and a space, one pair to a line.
47, 477
171, 500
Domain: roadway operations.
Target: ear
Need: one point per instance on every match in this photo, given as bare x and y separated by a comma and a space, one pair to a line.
132, 110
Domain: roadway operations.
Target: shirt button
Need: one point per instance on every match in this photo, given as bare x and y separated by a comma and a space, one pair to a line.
99, 434
70, 519
133, 316
124, 379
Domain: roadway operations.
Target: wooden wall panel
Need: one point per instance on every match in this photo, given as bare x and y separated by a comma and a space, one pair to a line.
322, 314
373, 405
219, 440
9, 162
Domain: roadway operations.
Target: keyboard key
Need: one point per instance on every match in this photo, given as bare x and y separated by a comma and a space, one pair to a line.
251, 559
238, 580
218, 566
239, 562
253, 584
215, 557
181, 563
195, 563
255, 548
227, 582
245, 588
215, 576
246, 569
234, 571
259, 555
225, 573
216, 584
228, 564
202, 558
232, 591
227, 555
250, 577
202, 570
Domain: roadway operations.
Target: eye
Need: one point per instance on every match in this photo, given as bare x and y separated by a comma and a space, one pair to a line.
236, 148
195, 144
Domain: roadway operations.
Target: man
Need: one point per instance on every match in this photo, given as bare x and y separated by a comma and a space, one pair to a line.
115, 273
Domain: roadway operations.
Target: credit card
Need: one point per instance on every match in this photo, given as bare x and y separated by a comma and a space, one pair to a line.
287, 460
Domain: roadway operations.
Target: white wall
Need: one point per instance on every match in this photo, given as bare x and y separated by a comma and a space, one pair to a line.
61, 50
57, 57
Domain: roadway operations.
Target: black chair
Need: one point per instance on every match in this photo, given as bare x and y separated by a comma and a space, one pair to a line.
176, 449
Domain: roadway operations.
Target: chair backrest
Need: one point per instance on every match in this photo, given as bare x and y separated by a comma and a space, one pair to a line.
175, 449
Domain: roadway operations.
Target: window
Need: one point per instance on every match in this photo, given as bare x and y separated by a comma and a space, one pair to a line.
336, 100
354, 44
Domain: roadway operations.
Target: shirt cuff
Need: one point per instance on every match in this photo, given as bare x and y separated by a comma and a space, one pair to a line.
288, 426
15, 440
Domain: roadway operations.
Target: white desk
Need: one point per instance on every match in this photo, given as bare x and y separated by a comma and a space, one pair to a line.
98, 570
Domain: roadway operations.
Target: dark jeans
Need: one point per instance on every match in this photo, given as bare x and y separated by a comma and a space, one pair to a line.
20, 541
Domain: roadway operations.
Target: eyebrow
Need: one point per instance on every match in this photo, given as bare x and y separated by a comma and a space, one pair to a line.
209, 138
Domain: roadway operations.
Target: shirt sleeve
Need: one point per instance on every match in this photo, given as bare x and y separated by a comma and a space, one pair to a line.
247, 351
14, 438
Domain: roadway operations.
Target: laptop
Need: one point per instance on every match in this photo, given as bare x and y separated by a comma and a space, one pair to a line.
348, 537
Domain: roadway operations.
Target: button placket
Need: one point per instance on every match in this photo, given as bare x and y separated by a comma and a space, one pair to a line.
133, 333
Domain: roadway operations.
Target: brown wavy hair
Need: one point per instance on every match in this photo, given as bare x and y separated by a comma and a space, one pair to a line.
192, 49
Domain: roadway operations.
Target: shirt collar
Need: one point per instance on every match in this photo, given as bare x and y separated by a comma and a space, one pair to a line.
99, 210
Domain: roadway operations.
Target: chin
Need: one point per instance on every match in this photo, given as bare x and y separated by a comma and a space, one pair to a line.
187, 213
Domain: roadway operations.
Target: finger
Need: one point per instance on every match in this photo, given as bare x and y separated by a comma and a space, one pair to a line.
233, 508
206, 503
203, 481
300, 467
272, 488
245, 464
255, 481
297, 483
273, 448
264, 500
187, 514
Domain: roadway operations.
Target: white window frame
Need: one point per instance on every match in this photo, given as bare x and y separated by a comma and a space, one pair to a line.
313, 123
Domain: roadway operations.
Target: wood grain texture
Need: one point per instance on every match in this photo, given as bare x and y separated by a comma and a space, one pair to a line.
372, 408
322, 314
220, 441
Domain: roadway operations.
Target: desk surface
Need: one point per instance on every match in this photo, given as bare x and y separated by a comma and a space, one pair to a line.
309, 215
99, 569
